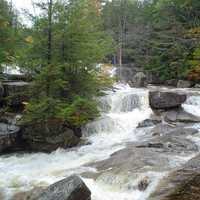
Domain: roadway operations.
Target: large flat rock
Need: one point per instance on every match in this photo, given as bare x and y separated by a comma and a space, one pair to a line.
181, 184
166, 100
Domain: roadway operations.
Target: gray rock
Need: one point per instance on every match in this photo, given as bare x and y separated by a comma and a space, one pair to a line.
184, 84
181, 184
148, 123
165, 100
71, 188
197, 86
162, 129
171, 143
133, 160
135, 156
172, 82
143, 184
180, 115
49, 137
154, 78
1, 91
139, 80
9, 137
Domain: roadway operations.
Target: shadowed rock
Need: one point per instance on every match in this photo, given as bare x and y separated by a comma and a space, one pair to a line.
184, 84
9, 136
165, 100
49, 137
139, 80
71, 188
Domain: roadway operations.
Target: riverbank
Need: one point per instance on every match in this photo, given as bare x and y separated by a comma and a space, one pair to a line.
120, 161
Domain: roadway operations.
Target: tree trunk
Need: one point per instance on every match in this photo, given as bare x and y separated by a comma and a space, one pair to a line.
49, 50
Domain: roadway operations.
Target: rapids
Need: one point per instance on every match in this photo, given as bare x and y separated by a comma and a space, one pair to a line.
122, 110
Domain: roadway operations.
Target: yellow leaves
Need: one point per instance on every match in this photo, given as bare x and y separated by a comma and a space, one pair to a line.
194, 32
4, 24
29, 39
194, 75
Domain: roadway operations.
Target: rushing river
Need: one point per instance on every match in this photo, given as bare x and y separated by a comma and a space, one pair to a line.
122, 110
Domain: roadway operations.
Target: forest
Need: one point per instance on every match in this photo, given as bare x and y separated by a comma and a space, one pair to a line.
68, 39
99, 99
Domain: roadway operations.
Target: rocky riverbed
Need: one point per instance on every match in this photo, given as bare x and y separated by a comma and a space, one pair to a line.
143, 147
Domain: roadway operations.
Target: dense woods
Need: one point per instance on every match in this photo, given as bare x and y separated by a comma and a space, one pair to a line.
160, 35
68, 38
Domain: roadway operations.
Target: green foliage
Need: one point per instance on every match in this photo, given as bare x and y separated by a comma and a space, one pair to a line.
66, 87
40, 110
159, 35
80, 112
8, 32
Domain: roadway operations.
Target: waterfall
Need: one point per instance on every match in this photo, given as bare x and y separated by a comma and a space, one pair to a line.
122, 110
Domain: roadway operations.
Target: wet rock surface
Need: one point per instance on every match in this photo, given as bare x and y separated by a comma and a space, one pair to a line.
10, 134
149, 153
1, 91
148, 123
71, 188
166, 100
139, 80
184, 84
49, 137
181, 184
179, 115
30, 195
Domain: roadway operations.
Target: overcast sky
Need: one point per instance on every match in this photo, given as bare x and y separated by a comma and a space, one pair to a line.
24, 4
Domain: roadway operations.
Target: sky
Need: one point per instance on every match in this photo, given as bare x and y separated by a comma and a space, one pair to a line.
24, 4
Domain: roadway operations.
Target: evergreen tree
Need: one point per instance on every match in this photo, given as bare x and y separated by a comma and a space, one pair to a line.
8, 28
68, 79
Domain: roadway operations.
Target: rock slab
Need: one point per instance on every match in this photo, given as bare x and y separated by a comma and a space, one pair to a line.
182, 184
166, 100
71, 188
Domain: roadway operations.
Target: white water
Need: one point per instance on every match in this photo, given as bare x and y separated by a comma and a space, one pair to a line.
127, 107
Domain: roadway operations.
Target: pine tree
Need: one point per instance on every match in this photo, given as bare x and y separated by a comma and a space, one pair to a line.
68, 79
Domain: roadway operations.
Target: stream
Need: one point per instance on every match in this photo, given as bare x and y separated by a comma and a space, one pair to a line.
109, 177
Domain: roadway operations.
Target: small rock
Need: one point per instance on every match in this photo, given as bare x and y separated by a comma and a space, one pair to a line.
49, 137
148, 123
184, 84
144, 183
172, 82
154, 78
139, 80
197, 86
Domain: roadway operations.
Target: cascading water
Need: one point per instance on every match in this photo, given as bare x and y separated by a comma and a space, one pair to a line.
122, 110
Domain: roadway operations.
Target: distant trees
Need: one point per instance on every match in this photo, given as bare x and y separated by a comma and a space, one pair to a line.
161, 36
8, 29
